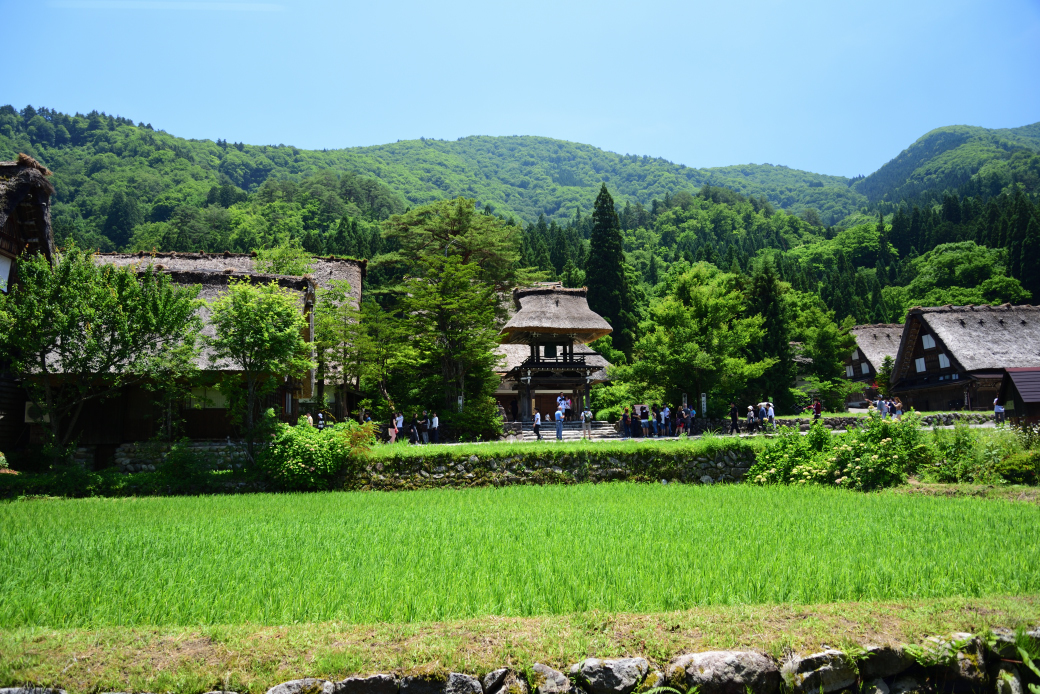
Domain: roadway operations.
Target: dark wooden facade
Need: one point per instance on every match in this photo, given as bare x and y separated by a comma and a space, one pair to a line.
1020, 395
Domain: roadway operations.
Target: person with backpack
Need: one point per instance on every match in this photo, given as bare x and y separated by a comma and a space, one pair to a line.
586, 423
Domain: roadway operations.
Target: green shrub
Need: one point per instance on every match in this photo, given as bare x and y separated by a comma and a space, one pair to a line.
1020, 468
184, 470
3, 461
302, 458
880, 454
970, 455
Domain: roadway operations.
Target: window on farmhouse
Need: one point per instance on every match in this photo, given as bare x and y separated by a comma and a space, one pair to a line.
855, 354
864, 368
919, 363
944, 361
927, 341
849, 371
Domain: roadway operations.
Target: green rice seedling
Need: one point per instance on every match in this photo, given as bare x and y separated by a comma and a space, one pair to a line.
364, 557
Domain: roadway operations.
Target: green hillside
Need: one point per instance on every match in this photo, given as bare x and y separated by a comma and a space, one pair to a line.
947, 158
96, 155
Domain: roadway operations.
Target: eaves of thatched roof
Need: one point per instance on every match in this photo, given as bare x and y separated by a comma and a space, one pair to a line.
980, 337
877, 341
547, 312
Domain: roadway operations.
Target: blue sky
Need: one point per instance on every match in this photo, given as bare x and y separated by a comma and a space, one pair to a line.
833, 87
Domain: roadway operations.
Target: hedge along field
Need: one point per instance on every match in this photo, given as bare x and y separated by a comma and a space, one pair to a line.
446, 554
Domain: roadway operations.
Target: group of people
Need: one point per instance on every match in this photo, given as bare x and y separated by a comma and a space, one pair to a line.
560, 416
420, 430
756, 418
658, 421
888, 407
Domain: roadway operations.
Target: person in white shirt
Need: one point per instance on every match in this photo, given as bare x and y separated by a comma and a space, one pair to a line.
559, 423
400, 421
665, 412
586, 424
538, 424
568, 410
434, 428
770, 414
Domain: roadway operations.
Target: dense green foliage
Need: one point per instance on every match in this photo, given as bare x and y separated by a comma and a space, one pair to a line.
78, 332
439, 555
884, 453
947, 158
304, 458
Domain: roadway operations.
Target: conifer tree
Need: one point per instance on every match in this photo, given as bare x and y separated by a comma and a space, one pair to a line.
608, 290
1030, 272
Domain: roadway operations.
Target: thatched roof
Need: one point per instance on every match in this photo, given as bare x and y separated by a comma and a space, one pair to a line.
513, 355
212, 285
547, 312
25, 181
877, 341
980, 337
324, 270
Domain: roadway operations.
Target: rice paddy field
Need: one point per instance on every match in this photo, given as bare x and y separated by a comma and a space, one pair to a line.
440, 555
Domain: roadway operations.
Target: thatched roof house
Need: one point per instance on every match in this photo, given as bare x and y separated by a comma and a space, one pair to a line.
955, 356
873, 344
323, 270
553, 314
25, 213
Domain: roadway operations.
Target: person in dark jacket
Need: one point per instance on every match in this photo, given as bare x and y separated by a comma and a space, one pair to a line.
734, 416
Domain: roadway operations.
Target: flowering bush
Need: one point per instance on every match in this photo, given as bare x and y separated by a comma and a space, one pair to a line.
302, 458
881, 454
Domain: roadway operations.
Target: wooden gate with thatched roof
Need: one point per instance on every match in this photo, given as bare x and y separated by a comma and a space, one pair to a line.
544, 350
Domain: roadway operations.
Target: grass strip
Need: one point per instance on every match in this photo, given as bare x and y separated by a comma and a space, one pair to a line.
250, 658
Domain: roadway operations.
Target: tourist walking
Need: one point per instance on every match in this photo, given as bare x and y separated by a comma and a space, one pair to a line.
424, 426
644, 421
666, 420
626, 424
398, 421
998, 411
898, 404
391, 431
817, 409
568, 410
734, 428
750, 419
586, 424
537, 424
772, 417
654, 414
413, 430
435, 425
559, 423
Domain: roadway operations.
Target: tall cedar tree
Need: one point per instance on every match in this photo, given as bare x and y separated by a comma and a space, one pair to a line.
765, 299
460, 264
609, 294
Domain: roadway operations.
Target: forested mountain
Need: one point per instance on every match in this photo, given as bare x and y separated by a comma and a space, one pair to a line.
947, 158
94, 156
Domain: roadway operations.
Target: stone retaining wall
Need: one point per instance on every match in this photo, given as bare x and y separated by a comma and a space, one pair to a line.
727, 462
954, 664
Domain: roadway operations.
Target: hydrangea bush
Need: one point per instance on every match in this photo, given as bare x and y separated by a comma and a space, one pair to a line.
303, 458
881, 454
